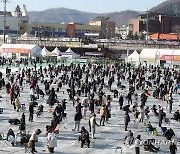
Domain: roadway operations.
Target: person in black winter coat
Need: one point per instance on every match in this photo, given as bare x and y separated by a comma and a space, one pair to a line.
126, 108
84, 137
31, 111
161, 116
77, 119
129, 97
126, 120
121, 100
173, 148
78, 107
143, 99
11, 134
22, 126
176, 115
169, 134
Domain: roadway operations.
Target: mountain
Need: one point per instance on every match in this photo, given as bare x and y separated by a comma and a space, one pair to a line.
60, 15
168, 7
122, 18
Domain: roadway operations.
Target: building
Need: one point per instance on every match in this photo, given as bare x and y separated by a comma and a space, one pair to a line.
155, 23
13, 20
107, 27
17, 23
58, 30
121, 32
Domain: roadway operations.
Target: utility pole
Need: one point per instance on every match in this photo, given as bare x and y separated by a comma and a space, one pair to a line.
147, 26
4, 30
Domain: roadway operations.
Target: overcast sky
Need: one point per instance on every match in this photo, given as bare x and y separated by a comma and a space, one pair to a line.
97, 6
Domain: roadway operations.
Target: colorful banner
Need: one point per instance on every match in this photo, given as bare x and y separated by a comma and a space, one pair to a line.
170, 57
176, 58
16, 50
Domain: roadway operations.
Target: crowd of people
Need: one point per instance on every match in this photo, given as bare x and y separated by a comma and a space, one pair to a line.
86, 86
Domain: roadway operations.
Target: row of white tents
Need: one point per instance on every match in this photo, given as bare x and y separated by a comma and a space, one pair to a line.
56, 52
29, 50
153, 56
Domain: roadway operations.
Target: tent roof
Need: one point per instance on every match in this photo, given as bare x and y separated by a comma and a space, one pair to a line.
44, 52
176, 52
69, 50
148, 54
56, 51
165, 52
22, 46
69, 54
134, 56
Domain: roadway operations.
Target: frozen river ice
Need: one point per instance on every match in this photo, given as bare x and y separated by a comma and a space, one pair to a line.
108, 137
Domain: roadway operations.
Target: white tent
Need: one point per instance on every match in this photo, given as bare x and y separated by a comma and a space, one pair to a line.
55, 52
44, 52
165, 52
176, 52
134, 57
69, 54
149, 55
21, 50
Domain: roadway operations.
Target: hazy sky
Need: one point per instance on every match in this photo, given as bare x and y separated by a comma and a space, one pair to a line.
97, 6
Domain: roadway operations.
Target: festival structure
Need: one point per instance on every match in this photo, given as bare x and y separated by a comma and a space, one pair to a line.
18, 51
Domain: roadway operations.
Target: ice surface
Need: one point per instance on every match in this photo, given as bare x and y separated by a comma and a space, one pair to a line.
108, 137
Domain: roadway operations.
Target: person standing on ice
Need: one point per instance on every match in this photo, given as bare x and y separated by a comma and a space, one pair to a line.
126, 120
33, 139
173, 148
31, 111
141, 110
137, 144
121, 100
51, 141
77, 119
92, 125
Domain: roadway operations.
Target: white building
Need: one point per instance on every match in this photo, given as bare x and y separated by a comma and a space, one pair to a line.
121, 31
13, 20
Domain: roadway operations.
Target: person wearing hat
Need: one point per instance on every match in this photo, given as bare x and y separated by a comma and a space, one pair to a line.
33, 139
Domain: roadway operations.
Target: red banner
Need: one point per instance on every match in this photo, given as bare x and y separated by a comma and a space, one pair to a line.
16, 50
170, 57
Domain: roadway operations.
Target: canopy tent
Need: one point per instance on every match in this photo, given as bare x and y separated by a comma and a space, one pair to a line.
154, 56
134, 57
69, 54
173, 55
149, 55
44, 52
55, 52
176, 52
28, 50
